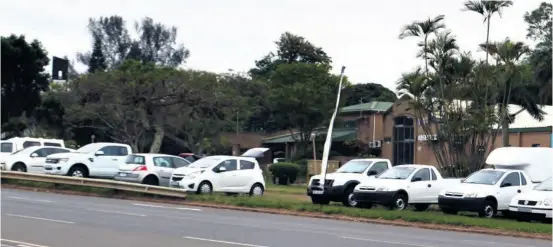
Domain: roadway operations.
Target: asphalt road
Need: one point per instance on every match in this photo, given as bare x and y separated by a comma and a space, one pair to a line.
33, 219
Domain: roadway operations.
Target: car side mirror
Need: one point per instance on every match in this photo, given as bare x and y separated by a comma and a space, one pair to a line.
505, 185
463, 180
99, 153
416, 179
222, 169
34, 155
372, 173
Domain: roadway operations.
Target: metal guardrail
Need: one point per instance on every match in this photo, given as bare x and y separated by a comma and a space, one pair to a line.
97, 183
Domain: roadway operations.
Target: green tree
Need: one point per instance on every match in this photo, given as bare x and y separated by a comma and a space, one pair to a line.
487, 9
540, 30
366, 92
97, 60
23, 76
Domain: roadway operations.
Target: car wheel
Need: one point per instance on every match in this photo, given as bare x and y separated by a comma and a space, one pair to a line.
489, 210
319, 200
19, 167
348, 199
205, 188
77, 172
256, 190
399, 202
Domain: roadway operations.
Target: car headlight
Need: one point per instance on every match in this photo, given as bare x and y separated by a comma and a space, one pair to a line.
473, 194
382, 189
64, 159
547, 202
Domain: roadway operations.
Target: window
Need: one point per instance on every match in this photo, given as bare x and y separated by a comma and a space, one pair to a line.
246, 165
379, 167
115, 151
434, 177
403, 140
513, 179
230, 165
6, 147
423, 173
30, 144
135, 159
166, 162
178, 162
51, 144
523, 179
43, 152
54, 151
536, 145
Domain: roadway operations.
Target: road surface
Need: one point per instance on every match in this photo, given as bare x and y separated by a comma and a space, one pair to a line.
34, 219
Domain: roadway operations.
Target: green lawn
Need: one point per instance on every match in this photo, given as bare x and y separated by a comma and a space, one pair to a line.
286, 189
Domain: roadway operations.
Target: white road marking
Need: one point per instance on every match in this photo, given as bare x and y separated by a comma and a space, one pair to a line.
115, 212
387, 242
29, 199
38, 218
22, 243
159, 206
223, 242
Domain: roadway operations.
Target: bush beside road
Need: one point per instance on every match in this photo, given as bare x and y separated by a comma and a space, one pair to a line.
447, 222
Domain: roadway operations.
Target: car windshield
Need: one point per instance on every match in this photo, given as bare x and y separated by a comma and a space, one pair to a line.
545, 185
6, 147
489, 177
205, 162
397, 172
89, 148
354, 166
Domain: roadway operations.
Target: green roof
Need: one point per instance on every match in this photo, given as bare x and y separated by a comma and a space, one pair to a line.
531, 129
338, 135
371, 106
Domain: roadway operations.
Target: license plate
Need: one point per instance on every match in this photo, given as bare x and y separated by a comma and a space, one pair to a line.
122, 174
318, 192
525, 210
47, 167
174, 183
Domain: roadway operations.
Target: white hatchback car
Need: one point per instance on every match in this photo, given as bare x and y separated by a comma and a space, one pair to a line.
229, 174
152, 169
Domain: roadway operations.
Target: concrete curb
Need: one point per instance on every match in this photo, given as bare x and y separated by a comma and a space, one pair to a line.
441, 227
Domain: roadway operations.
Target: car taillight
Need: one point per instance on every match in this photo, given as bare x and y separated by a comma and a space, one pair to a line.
140, 168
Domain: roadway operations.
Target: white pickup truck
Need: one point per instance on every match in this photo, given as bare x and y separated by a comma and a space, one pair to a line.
100, 159
396, 188
515, 170
339, 185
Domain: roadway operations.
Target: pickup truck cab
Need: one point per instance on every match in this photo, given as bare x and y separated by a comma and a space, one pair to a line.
515, 170
396, 188
100, 159
535, 204
339, 185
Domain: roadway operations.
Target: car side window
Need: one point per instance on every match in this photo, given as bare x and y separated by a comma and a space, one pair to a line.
163, 161
434, 177
43, 152
246, 165
378, 167
51, 144
523, 179
513, 179
230, 165
30, 144
179, 162
115, 151
423, 173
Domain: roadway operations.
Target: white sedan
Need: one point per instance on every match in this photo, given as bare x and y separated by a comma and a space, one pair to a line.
30, 159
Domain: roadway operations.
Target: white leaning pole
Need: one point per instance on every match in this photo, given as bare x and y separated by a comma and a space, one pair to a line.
328, 141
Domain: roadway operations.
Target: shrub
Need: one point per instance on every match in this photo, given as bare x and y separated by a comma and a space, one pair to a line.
285, 172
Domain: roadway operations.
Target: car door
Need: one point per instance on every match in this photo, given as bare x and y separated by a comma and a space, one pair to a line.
163, 167
434, 187
36, 163
227, 179
508, 188
107, 165
418, 190
245, 174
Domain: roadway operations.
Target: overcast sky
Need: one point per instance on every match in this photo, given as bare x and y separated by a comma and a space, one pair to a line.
232, 34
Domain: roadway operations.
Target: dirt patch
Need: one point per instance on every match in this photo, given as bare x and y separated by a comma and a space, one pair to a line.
479, 230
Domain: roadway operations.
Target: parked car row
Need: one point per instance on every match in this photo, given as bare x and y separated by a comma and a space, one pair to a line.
518, 184
230, 174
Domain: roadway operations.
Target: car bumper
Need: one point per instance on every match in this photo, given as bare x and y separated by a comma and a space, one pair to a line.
189, 185
55, 169
331, 192
531, 213
461, 203
375, 197
129, 177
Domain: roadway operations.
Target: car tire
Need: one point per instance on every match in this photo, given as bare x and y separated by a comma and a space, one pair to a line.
399, 202
347, 198
319, 200
19, 167
77, 171
205, 188
421, 207
489, 210
257, 190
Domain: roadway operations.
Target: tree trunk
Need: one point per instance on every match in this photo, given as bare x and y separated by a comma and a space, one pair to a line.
158, 139
505, 128
425, 55
488, 38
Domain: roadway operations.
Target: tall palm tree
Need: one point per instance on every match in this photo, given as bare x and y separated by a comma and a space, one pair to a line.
487, 9
515, 77
423, 29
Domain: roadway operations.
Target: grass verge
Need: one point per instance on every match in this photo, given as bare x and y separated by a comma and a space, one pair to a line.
286, 189
272, 205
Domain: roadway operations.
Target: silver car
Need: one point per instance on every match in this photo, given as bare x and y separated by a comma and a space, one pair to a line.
152, 169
